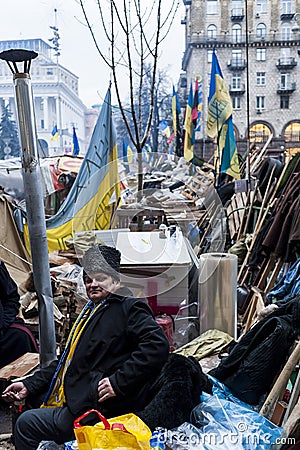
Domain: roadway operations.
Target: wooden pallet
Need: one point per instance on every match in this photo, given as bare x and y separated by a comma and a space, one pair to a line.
20, 367
197, 185
235, 211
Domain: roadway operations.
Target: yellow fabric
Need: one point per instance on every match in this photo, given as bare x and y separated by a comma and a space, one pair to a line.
96, 437
57, 397
188, 126
220, 108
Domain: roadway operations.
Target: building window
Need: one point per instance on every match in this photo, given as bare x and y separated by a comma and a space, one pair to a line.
236, 33
285, 55
259, 133
49, 72
260, 54
236, 102
237, 4
286, 7
261, 6
284, 102
260, 78
286, 31
292, 132
236, 81
212, 6
237, 57
261, 31
42, 124
285, 80
212, 32
260, 102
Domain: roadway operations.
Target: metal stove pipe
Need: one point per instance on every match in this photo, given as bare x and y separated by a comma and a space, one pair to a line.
34, 200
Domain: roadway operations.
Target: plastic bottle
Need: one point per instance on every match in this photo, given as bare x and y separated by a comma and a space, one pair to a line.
157, 441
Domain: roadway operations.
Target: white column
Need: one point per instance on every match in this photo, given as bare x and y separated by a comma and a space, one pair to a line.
46, 113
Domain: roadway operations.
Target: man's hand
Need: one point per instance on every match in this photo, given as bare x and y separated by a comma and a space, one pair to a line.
15, 392
105, 390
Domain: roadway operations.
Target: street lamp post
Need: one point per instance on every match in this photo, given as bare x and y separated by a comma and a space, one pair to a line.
34, 199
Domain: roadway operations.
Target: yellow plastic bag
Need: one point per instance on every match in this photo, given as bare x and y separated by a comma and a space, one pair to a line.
127, 432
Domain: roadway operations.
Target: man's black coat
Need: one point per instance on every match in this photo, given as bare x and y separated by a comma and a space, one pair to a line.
122, 342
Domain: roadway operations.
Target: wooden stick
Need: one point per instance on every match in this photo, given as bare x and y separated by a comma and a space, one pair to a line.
281, 382
293, 398
259, 223
249, 211
258, 159
289, 427
274, 275
262, 213
245, 213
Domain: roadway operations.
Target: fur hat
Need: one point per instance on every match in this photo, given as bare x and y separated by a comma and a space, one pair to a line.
102, 258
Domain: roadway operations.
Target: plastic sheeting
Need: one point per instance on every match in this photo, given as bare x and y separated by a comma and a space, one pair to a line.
218, 292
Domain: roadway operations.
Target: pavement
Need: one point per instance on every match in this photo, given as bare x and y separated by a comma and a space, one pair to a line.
5, 428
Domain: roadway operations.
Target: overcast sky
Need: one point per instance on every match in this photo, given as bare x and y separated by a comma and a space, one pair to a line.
28, 19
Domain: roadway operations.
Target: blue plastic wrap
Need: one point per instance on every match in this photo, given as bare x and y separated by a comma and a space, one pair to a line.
221, 421
222, 391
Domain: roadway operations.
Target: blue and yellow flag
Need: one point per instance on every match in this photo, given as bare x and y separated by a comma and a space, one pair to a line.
188, 149
127, 155
175, 111
127, 152
75, 144
219, 101
88, 205
198, 103
227, 145
54, 133
164, 128
176, 124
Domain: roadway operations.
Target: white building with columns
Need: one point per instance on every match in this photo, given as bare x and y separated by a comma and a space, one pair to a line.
56, 99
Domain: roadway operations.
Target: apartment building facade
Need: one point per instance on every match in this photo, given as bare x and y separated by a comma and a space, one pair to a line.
257, 43
56, 98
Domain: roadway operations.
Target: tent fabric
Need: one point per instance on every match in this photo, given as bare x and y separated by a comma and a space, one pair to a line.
209, 343
12, 250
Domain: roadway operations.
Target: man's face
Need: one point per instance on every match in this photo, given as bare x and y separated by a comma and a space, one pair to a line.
99, 285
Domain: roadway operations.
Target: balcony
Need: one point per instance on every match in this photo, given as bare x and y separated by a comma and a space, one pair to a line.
237, 14
236, 64
286, 63
237, 90
287, 88
287, 15
200, 38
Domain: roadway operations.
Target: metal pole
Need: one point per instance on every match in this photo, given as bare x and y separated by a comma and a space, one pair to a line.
247, 174
34, 203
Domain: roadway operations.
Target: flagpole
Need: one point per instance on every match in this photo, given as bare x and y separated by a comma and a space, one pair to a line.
56, 47
247, 97
218, 148
218, 145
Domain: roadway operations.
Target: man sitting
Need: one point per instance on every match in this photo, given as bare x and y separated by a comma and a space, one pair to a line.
114, 353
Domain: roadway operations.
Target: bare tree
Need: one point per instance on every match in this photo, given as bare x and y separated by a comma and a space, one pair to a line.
161, 110
134, 30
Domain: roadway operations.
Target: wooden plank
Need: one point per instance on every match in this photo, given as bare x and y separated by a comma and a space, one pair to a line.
20, 367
